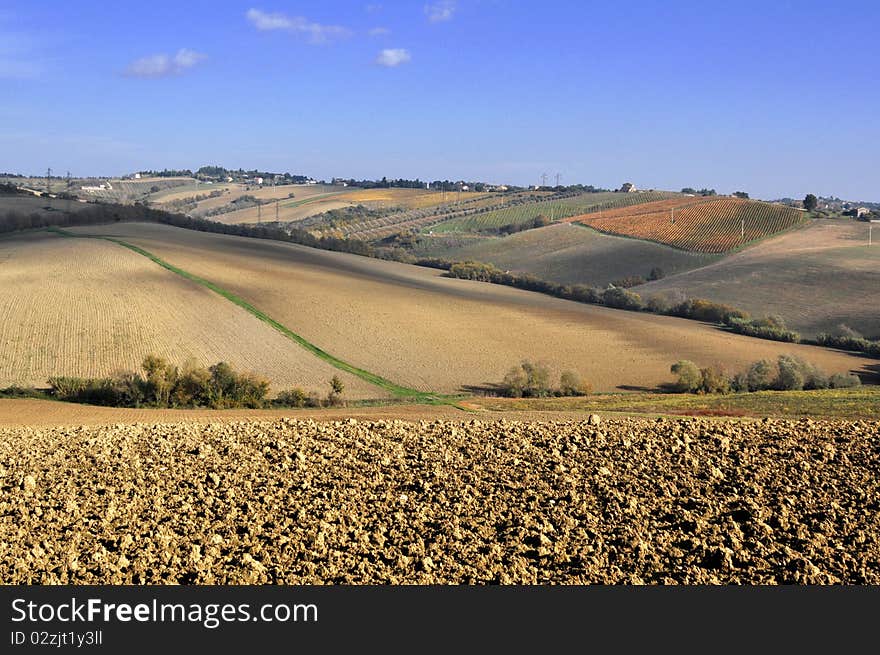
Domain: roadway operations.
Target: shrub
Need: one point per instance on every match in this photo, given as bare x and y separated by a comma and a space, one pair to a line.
740, 382
193, 386
844, 381
713, 380
537, 380
700, 309
295, 397
790, 375
622, 299
629, 281
94, 391
161, 378
527, 380
764, 329
760, 376
846, 342
689, 377
656, 273
795, 373
334, 398
514, 382
129, 389
570, 384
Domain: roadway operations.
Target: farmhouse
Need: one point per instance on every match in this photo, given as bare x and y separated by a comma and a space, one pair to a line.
628, 187
861, 211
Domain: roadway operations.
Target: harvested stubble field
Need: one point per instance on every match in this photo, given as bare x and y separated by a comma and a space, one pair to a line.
414, 327
828, 272
292, 502
87, 307
711, 225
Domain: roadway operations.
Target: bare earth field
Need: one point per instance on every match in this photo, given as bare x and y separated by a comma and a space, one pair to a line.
86, 307
827, 271
414, 327
293, 502
569, 254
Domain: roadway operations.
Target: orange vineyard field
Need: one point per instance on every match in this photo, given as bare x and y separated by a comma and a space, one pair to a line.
710, 225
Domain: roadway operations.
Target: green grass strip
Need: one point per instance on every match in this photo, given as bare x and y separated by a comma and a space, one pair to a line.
372, 378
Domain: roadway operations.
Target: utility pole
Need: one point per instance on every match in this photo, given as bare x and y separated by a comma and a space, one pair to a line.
68, 191
276, 210
48, 181
557, 179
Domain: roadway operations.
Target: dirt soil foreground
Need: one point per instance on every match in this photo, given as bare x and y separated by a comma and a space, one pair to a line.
298, 501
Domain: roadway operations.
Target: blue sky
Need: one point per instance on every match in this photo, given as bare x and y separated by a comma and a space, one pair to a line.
774, 98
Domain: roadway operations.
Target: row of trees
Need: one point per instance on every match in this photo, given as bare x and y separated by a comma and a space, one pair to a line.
787, 373
532, 380
618, 297
162, 384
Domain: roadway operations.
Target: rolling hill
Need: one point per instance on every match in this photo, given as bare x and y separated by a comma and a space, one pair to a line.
815, 278
417, 328
711, 225
566, 253
88, 307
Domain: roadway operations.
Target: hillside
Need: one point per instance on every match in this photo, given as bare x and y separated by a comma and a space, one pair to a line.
816, 278
300, 201
87, 307
416, 328
711, 225
565, 253
552, 208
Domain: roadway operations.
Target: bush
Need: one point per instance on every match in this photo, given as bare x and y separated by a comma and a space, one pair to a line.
530, 380
713, 380
767, 328
334, 398
295, 397
537, 380
514, 382
629, 281
848, 342
700, 309
689, 377
622, 299
760, 376
570, 384
789, 376
844, 381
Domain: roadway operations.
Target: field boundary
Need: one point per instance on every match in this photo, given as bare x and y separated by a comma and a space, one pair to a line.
372, 378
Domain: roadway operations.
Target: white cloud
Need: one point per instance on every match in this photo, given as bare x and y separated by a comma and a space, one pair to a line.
391, 57
163, 65
315, 32
379, 31
440, 11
